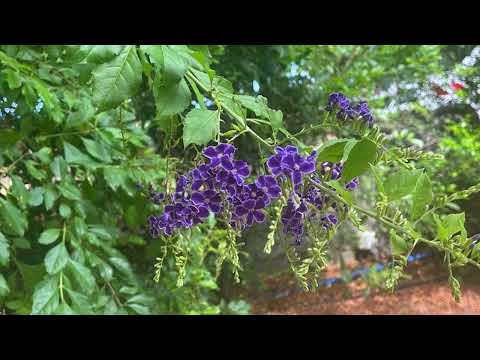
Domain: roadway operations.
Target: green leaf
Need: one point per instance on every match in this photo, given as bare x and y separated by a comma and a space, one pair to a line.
75, 156
276, 119
175, 65
79, 226
139, 309
4, 289
115, 176
97, 150
19, 191
59, 167
117, 80
4, 250
83, 276
45, 297
201, 126
341, 191
258, 105
172, 99
398, 244
31, 275
13, 219
106, 271
450, 225
64, 309
56, 259
8, 138
70, 191
333, 150
78, 118
363, 153
401, 183
49, 196
422, 196
65, 211
96, 54
101, 231
155, 53
80, 302
44, 155
37, 174
378, 179
49, 236
35, 197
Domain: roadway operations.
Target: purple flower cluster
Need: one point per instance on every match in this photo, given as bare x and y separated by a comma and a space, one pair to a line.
287, 162
346, 110
333, 171
218, 186
293, 218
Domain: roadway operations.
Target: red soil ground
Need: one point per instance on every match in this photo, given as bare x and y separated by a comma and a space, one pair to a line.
427, 292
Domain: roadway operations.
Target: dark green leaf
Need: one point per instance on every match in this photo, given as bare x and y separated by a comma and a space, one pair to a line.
4, 289
49, 196
59, 167
49, 236
333, 150
4, 250
44, 155
37, 174
83, 276
117, 80
35, 197
64, 309
175, 65
80, 302
19, 191
65, 211
13, 219
75, 156
45, 297
56, 259
172, 99
70, 191
363, 153
97, 150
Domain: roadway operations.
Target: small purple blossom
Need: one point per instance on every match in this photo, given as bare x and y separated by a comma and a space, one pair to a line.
208, 198
221, 154
352, 185
269, 185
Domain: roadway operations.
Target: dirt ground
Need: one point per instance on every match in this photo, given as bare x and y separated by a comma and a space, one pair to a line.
426, 293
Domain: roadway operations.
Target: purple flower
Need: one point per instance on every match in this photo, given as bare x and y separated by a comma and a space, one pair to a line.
295, 165
252, 209
239, 171
352, 184
328, 221
363, 112
315, 197
292, 218
209, 199
274, 164
157, 197
182, 182
269, 185
221, 154
334, 170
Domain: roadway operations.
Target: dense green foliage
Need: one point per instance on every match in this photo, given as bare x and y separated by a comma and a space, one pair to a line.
118, 120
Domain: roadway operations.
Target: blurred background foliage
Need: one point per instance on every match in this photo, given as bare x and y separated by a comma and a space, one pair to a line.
425, 97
